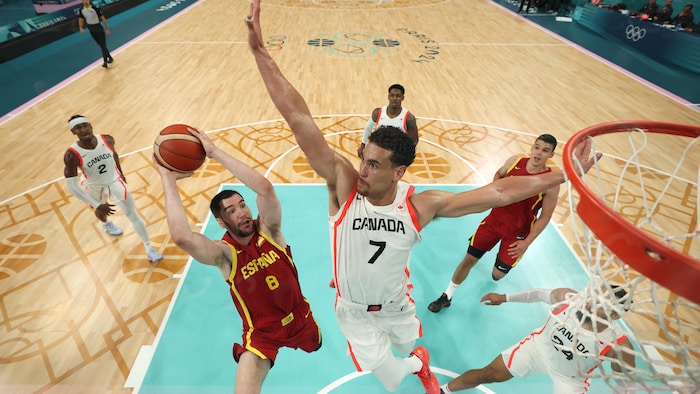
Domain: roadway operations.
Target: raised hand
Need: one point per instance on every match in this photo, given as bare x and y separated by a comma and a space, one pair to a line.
253, 22
166, 173
207, 144
582, 153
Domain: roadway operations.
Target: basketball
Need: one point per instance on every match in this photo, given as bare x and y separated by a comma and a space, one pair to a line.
178, 150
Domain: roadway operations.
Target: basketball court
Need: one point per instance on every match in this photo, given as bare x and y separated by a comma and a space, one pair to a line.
193, 351
84, 312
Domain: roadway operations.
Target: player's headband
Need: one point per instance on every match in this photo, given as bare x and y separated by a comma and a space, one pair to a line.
76, 121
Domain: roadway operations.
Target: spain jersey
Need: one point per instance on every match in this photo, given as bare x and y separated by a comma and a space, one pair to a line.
371, 248
264, 281
519, 215
98, 165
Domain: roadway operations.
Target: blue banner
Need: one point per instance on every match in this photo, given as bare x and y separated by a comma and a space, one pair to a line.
656, 41
29, 25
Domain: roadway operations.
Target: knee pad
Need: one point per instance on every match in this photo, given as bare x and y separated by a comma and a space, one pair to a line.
501, 266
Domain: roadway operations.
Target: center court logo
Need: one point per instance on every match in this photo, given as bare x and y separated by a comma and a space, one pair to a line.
355, 44
635, 33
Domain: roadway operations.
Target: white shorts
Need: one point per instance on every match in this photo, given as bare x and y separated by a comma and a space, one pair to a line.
370, 334
524, 358
115, 191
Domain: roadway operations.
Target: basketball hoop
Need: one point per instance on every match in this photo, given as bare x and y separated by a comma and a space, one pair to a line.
637, 225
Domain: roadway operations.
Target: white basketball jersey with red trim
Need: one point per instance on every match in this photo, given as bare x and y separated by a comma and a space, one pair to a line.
97, 164
562, 333
399, 121
371, 248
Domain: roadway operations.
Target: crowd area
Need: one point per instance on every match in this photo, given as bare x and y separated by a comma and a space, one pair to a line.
664, 15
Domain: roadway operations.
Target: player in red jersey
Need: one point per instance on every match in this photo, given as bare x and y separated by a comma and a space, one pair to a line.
516, 225
256, 262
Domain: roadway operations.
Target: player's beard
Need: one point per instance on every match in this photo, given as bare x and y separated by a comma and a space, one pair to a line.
237, 231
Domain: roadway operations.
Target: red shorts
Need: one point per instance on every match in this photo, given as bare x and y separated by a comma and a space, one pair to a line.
487, 236
301, 332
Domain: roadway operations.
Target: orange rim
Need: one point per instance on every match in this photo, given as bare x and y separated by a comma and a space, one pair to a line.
659, 262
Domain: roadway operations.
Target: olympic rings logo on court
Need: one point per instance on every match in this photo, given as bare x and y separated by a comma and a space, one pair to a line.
635, 33
275, 42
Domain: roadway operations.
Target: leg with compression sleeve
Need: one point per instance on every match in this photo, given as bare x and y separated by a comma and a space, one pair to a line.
129, 208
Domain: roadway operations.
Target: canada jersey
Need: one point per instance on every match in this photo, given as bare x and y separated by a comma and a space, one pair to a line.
263, 282
520, 215
399, 121
561, 334
371, 247
98, 164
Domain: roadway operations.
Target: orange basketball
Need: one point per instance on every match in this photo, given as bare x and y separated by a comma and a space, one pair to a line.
178, 150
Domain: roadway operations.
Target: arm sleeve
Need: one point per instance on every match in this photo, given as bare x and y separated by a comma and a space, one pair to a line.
368, 130
529, 296
79, 192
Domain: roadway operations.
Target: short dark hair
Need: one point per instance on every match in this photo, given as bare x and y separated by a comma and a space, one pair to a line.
403, 150
397, 86
215, 205
548, 139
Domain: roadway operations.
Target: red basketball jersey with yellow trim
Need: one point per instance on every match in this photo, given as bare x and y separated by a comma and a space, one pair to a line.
522, 213
264, 282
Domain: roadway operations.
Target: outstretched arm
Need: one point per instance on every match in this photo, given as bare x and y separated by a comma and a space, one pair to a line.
335, 169
269, 208
196, 245
549, 296
501, 192
289, 101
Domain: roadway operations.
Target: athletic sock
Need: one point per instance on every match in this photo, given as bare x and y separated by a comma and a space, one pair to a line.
451, 289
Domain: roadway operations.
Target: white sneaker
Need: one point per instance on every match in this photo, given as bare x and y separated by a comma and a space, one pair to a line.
112, 228
153, 255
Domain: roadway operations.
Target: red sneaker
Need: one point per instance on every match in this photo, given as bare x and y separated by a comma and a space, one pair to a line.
426, 376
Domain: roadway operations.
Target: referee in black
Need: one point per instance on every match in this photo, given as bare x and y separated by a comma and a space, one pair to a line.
92, 16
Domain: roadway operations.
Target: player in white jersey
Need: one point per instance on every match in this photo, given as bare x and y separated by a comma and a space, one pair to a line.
98, 161
570, 345
391, 115
376, 314
382, 237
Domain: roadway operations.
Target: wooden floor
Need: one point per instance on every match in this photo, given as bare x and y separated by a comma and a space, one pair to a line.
77, 304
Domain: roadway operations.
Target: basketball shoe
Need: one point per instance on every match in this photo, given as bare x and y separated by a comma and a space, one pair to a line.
426, 376
153, 255
442, 302
112, 228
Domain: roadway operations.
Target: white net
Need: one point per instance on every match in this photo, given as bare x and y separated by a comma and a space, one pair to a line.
655, 190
